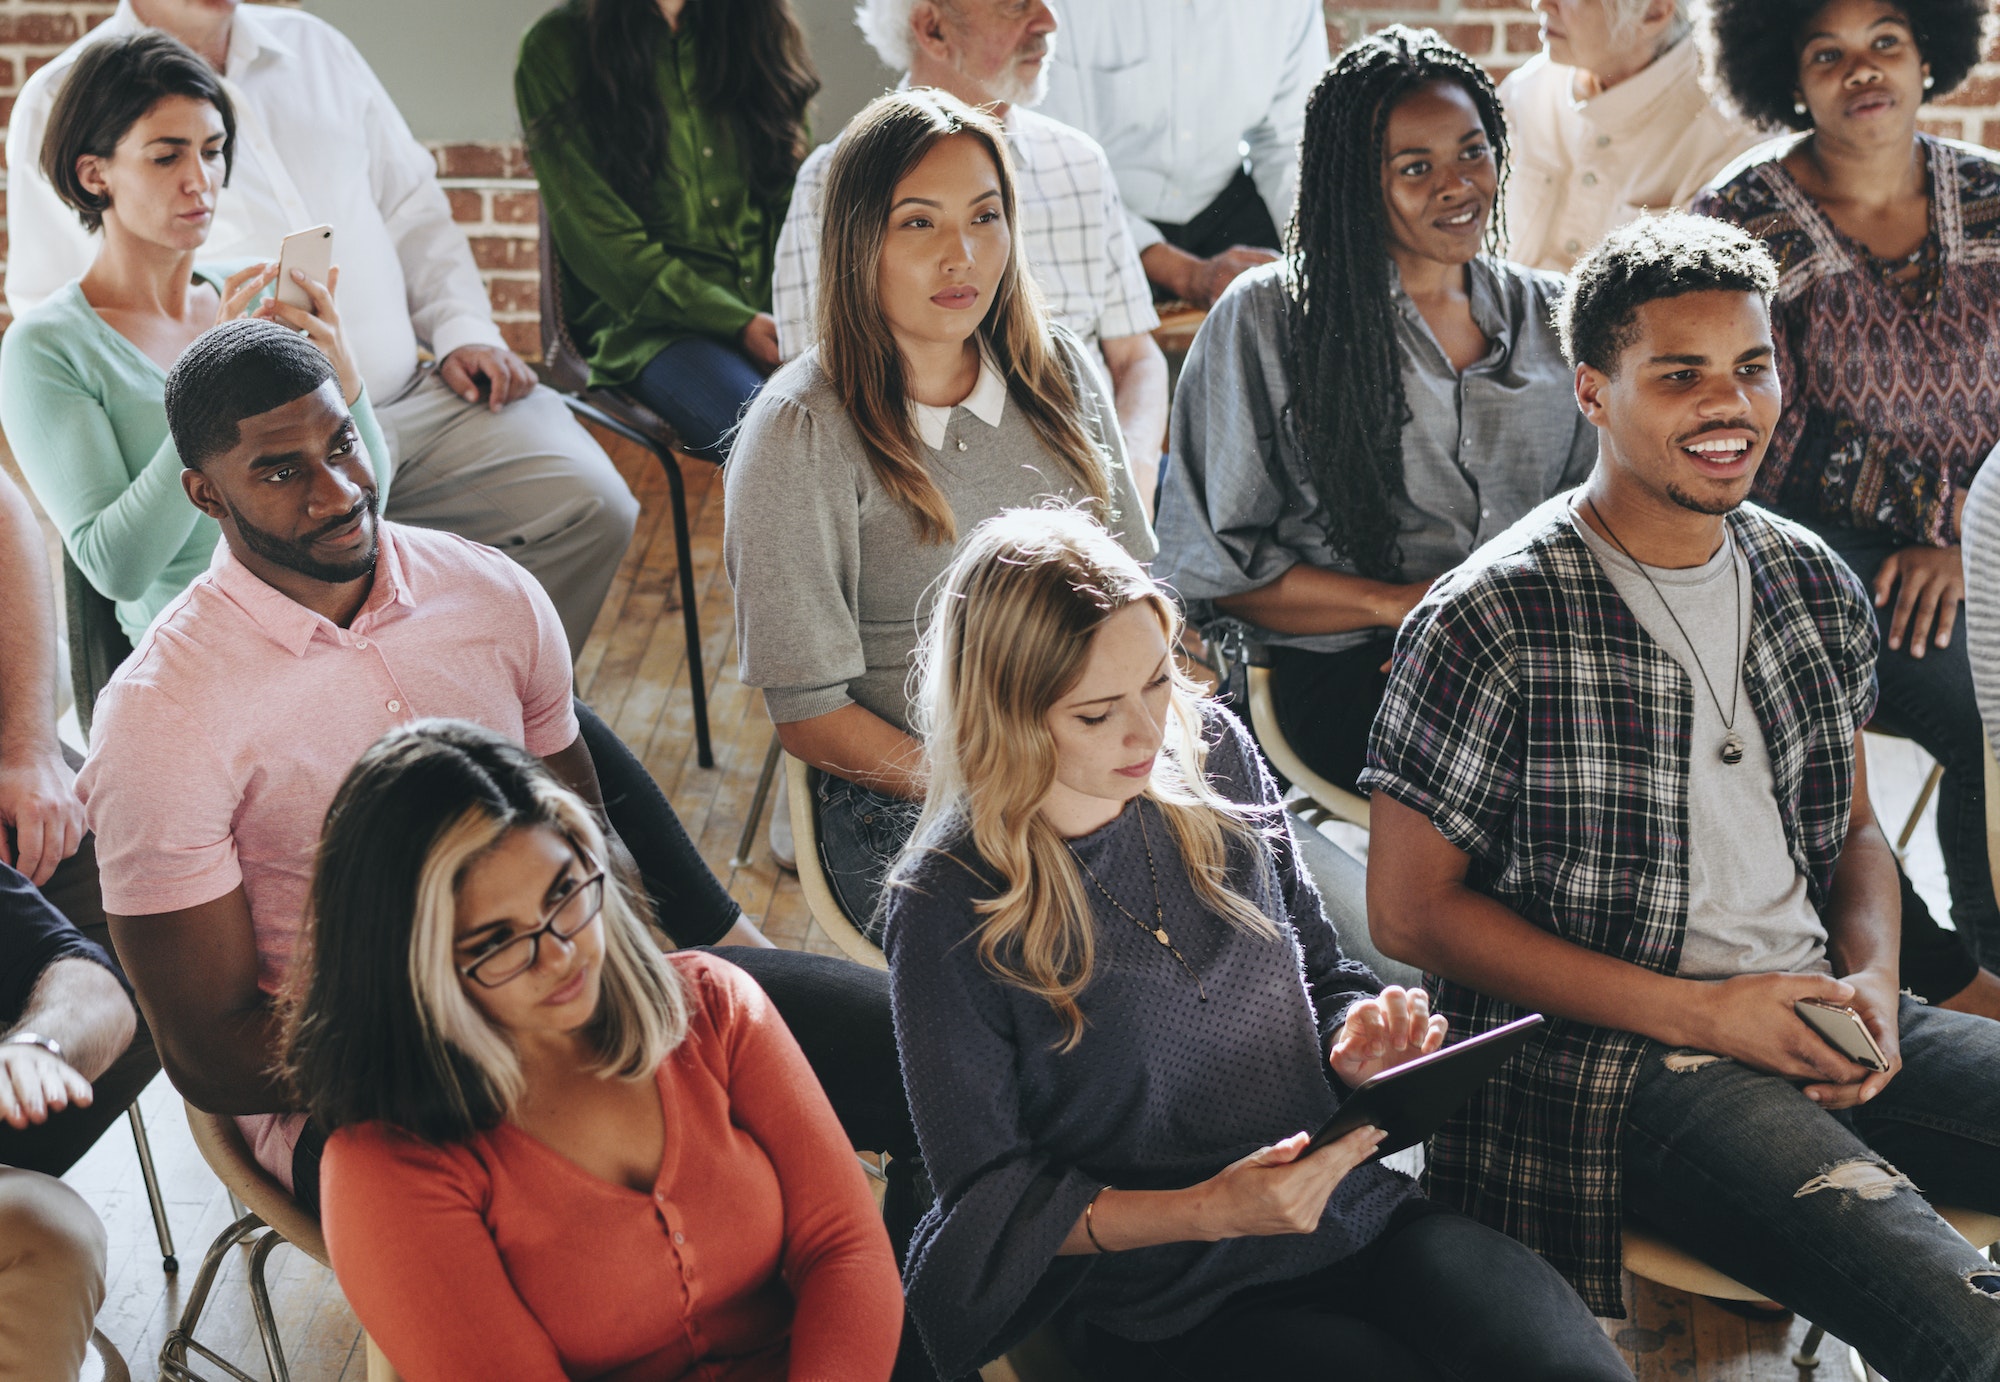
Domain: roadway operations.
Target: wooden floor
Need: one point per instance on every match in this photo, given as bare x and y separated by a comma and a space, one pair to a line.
634, 672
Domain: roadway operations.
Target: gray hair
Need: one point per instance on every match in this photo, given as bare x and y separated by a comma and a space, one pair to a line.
886, 26
1626, 14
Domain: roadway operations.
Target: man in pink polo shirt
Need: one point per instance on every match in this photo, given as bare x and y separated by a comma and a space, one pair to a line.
219, 744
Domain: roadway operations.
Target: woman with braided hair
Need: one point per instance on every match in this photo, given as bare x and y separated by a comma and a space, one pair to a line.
1354, 419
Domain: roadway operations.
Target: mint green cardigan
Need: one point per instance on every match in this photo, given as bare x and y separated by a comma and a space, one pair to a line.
85, 413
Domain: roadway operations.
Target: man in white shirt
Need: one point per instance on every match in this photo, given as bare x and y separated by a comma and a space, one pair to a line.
1608, 121
1073, 226
319, 140
1175, 90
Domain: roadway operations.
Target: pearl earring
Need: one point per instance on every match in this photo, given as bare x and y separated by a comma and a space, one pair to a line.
1798, 107
1929, 82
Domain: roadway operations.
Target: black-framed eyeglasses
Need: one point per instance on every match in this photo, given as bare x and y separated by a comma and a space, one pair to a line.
519, 954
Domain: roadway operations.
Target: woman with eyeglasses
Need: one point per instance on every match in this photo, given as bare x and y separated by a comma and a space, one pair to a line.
554, 1152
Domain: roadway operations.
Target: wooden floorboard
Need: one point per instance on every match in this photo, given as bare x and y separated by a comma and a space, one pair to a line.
634, 670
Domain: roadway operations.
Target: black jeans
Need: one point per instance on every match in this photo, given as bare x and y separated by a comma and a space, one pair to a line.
1437, 1296
1237, 216
56, 1145
693, 906
1326, 703
1822, 1210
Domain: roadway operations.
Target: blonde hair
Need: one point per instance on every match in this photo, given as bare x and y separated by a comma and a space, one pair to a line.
378, 1025
1009, 638
857, 349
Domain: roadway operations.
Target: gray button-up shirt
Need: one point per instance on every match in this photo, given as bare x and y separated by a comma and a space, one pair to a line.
1481, 449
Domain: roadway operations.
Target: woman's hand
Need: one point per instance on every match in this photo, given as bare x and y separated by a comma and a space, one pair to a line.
240, 289
1384, 1031
321, 326
1928, 583
1279, 1188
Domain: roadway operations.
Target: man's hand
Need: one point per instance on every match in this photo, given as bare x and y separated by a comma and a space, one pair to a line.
34, 1085
43, 819
1214, 274
1384, 1031
1877, 1000
1750, 1020
1929, 583
760, 341
506, 374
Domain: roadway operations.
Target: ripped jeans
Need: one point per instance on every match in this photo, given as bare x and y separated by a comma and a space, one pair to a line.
1821, 1210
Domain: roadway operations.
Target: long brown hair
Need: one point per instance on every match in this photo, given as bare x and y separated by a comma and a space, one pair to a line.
857, 349
1008, 639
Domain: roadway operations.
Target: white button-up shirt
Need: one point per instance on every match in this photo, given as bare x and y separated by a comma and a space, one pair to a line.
317, 140
1584, 168
1173, 88
1072, 230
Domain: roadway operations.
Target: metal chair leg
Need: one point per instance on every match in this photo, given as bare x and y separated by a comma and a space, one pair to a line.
1808, 1354
174, 1352
747, 841
690, 616
161, 1229
260, 1305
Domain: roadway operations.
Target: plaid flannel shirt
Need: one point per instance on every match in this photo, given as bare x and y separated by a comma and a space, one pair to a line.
1544, 733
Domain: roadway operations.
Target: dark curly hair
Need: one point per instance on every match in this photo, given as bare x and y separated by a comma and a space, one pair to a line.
1347, 371
1652, 258
1752, 47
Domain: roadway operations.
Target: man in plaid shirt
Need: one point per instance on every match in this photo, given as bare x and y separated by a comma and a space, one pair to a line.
1617, 779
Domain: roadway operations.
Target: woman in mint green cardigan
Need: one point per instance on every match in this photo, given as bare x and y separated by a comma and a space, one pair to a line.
138, 144
666, 135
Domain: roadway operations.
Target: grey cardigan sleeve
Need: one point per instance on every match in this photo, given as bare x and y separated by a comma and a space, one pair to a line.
791, 541
983, 1270
1128, 519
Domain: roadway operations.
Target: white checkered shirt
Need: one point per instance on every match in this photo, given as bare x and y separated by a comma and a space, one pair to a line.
1072, 227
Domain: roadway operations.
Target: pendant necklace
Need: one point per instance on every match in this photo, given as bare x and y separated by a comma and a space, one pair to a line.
1732, 742
1158, 930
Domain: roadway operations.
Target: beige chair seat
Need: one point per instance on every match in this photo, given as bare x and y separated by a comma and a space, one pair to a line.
1656, 1260
825, 907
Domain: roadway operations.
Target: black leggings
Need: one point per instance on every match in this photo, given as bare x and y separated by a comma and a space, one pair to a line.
1436, 1298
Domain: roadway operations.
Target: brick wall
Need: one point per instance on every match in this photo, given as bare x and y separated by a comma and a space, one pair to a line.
493, 195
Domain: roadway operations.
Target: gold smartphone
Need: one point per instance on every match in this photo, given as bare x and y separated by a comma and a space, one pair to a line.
1844, 1031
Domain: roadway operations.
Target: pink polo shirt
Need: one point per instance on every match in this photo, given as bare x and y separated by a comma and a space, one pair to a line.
218, 746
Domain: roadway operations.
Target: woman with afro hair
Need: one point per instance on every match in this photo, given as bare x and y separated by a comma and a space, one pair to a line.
1887, 328
1355, 419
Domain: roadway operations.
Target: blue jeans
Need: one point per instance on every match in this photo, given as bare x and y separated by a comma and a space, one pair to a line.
1930, 700
701, 386
1823, 1211
861, 831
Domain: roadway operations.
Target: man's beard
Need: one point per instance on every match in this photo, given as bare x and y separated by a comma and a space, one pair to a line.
1714, 508
1009, 89
295, 554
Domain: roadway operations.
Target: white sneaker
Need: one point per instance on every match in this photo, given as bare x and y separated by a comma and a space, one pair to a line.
782, 852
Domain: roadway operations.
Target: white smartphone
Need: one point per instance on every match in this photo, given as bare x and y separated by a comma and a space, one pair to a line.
1844, 1031
310, 251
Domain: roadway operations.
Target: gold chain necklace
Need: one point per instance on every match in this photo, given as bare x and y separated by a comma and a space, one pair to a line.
1158, 930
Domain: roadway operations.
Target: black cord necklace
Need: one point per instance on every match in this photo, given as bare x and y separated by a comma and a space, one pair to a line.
1158, 930
1732, 742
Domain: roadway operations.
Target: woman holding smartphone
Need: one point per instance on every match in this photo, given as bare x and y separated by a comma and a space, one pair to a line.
138, 145
939, 394
1122, 1013
553, 1151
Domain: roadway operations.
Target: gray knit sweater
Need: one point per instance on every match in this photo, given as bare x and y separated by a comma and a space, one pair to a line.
1163, 1091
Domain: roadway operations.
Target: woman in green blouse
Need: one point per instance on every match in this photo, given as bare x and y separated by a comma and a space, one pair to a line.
665, 135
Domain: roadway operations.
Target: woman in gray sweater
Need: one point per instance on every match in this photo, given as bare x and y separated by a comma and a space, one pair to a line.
1121, 1011
938, 394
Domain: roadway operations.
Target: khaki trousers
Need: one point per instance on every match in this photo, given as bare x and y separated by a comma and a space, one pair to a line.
527, 480
51, 1277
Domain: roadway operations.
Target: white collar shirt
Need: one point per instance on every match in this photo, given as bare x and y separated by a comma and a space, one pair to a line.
1073, 230
1182, 92
987, 401
318, 141
1584, 168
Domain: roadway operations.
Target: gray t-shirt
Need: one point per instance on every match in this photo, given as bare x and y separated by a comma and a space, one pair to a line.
1748, 908
832, 586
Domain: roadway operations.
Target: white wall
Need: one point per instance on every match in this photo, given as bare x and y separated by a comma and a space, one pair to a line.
450, 63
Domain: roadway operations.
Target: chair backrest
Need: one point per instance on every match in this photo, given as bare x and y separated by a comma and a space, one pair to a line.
228, 1155
1271, 738
567, 370
96, 643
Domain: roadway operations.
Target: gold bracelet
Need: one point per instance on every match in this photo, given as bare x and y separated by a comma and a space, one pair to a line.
1090, 1220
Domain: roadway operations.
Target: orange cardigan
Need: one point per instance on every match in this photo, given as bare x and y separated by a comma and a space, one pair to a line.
758, 1255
